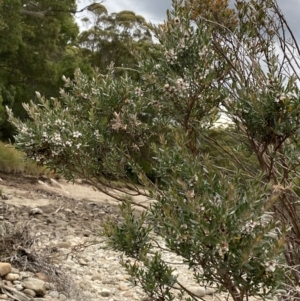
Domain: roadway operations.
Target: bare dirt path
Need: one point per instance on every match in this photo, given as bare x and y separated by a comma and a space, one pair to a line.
36, 192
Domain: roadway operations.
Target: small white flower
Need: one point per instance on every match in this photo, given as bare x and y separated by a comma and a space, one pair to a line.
184, 226
94, 91
271, 266
139, 92
282, 96
176, 21
38, 94
190, 194
58, 122
167, 87
69, 143
24, 129
182, 44
97, 134
248, 228
181, 84
203, 52
78, 145
187, 34
222, 248
171, 56
76, 134
56, 139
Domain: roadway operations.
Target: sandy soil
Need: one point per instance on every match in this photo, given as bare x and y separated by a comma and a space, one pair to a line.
34, 192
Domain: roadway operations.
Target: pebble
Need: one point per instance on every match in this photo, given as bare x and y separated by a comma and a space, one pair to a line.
62, 297
35, 211
105, 292
37, 285
19, 287
11, 277
56, 184
29, 292
5, 268
198, 291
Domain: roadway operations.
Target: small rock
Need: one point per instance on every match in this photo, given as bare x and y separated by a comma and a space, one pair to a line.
5, 268
42, 276
16, 282
49, 286
108, 281
199, 291
123, 287
96, 276
105, 292
56, 184
54, 294
19, 287
42, 183
82, 261
26, 275
11, 277
8, 283
210, 291
120, 277
82, 285
15, 271
87, 278
29, 292
35, 211
63, 245
128, 294
3, 297
37, 285
62, 297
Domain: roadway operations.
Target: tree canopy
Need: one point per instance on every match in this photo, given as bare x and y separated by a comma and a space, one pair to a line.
116, 37
40, 42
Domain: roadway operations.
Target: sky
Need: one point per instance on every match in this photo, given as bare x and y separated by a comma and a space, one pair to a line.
154, 11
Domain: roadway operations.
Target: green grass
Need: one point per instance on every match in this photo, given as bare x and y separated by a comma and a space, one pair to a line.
13, 161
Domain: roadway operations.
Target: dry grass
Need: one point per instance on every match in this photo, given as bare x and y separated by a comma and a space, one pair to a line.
13, 161
18, 247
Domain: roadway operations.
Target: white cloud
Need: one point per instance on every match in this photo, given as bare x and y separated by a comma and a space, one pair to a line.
153, 11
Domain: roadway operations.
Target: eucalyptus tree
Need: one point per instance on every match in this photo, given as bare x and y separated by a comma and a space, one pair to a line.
34, 36
116, 37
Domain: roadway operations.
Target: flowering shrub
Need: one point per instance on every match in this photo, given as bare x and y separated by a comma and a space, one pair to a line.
225, 224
